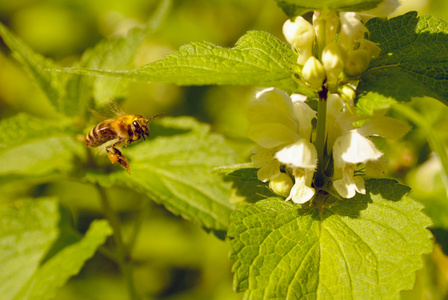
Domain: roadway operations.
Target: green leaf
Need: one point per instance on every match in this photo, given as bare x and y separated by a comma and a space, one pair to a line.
413, 62
368, 246
27, 230
68, 262
71, 93
33, 148
245, 184
175, 168
51, 83
298, 7
257, 59
113, 54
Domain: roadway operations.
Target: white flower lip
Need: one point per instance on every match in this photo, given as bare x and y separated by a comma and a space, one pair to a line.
349, 184
301, 154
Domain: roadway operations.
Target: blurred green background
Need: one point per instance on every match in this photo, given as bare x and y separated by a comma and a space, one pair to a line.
175, 259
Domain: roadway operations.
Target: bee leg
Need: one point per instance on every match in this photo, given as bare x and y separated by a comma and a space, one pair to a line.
115, 155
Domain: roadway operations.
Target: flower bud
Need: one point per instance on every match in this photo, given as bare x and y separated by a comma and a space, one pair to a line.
357, 62
300, 34
347, 93
281, 185
352, 29
333, 57
371, 47
313, 72
332, 26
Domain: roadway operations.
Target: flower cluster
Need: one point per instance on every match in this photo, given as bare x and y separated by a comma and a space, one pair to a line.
332, 52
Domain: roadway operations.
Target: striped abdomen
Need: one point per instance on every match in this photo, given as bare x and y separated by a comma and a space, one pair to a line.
100, 134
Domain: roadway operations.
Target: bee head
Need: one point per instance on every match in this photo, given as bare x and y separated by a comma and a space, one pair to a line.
140, 124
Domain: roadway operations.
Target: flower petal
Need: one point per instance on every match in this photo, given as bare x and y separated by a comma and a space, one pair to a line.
270, 135
302, 192
354, 148
349, 184
277, 98
268, 171
301, 154
304, 115
385, 127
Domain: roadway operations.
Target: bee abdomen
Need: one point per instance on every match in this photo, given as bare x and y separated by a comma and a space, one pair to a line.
100, 134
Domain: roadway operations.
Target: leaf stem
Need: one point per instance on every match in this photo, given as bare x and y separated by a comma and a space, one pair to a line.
137, 224
120, 247
434, 142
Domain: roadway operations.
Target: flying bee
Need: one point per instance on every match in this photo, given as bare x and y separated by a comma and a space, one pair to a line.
124, 129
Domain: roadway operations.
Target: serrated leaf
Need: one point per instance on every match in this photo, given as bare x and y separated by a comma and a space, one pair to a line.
413, 62
32, 148
257, 59
27, 230
365, 247
298, 7
70, 93
114, 54
175, 168
66, 263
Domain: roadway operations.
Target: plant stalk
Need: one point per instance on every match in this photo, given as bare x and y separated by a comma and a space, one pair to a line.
120, 248
320, 136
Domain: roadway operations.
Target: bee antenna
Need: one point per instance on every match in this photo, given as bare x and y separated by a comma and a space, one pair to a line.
150, 118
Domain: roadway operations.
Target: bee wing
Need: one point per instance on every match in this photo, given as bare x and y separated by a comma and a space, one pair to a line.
109, 110
112, 108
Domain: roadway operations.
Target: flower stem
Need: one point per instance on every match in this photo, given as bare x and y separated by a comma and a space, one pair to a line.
320, 136
120, 248
434, 142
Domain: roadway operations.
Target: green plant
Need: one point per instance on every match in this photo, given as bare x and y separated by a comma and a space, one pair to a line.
341, 236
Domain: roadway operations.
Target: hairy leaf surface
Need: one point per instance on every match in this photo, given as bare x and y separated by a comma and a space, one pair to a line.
413, 62
365, 247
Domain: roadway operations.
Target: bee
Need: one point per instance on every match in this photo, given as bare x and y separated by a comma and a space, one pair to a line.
124, 129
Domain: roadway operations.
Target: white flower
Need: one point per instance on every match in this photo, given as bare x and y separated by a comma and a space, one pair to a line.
302, 191
357, 62
273, 124
352, 29
354, 148
263, 159
304, 115
281, 185
371, 47
349, 150
313, 72
302, 158
300, 34
333, 58
385, 127
281, 126
331, 20
301, 154
271, 119
349, 184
